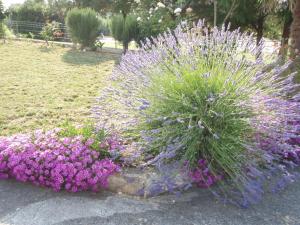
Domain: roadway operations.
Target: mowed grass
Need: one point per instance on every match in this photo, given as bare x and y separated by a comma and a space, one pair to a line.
43, 87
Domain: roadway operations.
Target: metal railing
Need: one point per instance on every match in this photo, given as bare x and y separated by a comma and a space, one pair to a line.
33, 30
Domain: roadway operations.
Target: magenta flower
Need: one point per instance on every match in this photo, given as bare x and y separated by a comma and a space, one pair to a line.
45, 159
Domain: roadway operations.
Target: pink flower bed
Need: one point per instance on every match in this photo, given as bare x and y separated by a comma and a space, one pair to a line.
45, 159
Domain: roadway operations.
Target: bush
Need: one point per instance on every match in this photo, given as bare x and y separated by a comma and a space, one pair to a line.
153, 26
5, 32
83, 25
98, 45
2, 30
124, 29
49, 30
2, 17
47, 159
206, 95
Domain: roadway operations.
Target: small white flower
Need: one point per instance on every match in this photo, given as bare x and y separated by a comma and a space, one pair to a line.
139, 19
161, 5
160, 20
184, 23
177, 11
156, 8
200, 125
189, 10
137, 1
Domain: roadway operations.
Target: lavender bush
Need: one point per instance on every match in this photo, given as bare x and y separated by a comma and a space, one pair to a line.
198, 94
47, 159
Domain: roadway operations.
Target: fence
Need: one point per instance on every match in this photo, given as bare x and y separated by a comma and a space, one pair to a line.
33, 30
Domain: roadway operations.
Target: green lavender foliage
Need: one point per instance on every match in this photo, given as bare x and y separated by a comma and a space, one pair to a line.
87, 131
201, 109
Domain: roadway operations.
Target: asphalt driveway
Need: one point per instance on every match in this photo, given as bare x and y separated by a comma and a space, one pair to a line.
24, 204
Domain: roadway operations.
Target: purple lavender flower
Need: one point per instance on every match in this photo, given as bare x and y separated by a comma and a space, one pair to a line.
233, 87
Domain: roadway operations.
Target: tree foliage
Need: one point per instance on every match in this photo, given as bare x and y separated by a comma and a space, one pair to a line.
34, 11
101, 6
57, 9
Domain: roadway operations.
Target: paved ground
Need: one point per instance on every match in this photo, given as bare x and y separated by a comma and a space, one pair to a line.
23, 204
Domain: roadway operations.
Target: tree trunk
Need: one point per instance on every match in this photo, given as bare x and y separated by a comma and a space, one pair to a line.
285, 37
260, 29
125, 47
125, 43
215, 12
295, 31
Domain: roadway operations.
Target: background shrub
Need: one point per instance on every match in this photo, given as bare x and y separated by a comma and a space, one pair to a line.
48, 31
2, 17
2, 30
83, 25
124, 29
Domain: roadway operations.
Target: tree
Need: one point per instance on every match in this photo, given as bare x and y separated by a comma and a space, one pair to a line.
30, 10
295, 26
123, 6
57, 9
287, 17
83, 25
101, 6
157, 17
250, 14
295, 30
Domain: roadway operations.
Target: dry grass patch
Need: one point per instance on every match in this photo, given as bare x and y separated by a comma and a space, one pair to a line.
42, 87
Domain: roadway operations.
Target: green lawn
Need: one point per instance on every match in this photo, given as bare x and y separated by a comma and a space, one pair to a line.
43, 87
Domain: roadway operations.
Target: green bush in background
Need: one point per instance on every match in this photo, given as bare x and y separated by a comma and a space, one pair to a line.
83, 25
124, 29
2, 17
48, 31
2, 31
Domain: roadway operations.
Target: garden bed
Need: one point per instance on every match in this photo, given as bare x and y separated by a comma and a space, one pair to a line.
177, 111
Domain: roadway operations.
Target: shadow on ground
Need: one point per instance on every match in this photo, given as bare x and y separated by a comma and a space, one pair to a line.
77, 57
46, 49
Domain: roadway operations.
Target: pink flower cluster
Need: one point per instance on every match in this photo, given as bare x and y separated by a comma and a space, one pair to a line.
45, 159
202, 176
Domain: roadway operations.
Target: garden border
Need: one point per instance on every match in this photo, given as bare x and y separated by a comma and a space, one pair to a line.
130, 181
